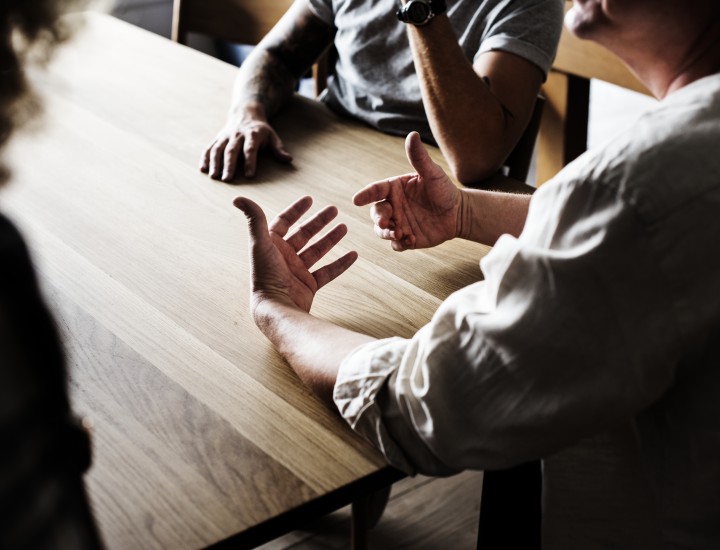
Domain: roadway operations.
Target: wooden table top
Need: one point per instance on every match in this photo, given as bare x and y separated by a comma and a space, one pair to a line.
202, 434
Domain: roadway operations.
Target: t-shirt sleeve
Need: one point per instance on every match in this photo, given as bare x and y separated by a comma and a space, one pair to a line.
323, 9
568, 333
530, 29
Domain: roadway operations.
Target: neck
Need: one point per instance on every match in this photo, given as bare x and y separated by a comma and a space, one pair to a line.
667, 69
703, 60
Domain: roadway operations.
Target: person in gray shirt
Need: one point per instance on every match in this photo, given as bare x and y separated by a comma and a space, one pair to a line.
464, 74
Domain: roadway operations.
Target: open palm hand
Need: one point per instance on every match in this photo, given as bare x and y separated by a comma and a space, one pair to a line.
281, 262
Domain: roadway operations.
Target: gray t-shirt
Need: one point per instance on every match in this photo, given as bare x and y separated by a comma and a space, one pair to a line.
375, 77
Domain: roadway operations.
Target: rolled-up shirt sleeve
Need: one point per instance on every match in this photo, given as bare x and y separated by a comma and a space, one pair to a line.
567, 333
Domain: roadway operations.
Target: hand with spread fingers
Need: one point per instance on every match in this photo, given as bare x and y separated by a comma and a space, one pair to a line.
281, 260
418, 210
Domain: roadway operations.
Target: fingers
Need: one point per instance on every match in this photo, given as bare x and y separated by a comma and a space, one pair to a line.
250, 152
312, 227
418, 156
279, 151
232, 152
205, 159
215, 158
333, 270
317, 251
378, 190
381, 214
257, 222
221, 158
260, 235
406, 243
288, 217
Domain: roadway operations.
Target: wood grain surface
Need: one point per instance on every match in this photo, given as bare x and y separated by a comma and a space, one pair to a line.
202, 432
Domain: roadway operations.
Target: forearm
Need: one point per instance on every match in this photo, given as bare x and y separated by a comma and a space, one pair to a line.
270, 74
486, 215
262, 86
313, 347
467, 120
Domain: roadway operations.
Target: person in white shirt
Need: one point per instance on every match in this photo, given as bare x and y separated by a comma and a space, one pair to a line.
592, 342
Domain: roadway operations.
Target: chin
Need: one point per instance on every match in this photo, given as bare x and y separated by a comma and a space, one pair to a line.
583, 18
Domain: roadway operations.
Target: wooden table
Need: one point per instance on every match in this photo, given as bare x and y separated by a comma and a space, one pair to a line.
202, 433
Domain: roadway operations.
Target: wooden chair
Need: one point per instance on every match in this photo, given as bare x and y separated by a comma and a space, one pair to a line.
563, 130
241, 21
238, 21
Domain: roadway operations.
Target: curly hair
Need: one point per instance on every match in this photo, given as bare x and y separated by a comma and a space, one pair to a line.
29, 31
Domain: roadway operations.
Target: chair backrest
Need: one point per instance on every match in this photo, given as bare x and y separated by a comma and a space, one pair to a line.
240, 21
563, 129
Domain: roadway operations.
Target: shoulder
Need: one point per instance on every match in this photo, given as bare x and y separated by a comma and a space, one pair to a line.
669, 157
527, 28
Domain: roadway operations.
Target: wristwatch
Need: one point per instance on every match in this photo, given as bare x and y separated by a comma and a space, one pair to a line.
420, 12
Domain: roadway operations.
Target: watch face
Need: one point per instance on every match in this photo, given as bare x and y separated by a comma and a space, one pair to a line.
418, 12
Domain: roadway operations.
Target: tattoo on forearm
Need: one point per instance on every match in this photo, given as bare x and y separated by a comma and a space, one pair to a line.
269, 83
272, 72
302, 44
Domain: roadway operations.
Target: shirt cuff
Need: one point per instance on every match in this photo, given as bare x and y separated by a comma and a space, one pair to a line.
362, 376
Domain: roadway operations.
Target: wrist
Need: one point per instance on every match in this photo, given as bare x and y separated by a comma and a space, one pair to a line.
465, 216
268, 307
250, 112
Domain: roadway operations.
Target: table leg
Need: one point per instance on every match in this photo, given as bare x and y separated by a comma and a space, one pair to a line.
366, 513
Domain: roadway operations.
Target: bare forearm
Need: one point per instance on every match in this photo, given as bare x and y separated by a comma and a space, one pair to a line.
466, 119
314, 348
269, 75
477, 112
262, 86
486, 215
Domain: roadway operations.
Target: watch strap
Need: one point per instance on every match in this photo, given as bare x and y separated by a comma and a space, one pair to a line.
436, 7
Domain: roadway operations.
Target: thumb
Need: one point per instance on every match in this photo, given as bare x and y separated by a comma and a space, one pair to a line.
418, 156
257, 222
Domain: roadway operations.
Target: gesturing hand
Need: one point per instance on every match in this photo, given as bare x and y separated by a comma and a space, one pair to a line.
241, 136
415, 210
280, 263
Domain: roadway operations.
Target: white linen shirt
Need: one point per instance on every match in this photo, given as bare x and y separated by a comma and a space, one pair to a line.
591, 343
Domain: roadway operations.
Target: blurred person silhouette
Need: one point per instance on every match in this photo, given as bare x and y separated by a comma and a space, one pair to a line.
45, 448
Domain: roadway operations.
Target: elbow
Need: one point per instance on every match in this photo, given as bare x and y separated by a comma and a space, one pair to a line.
469, 171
